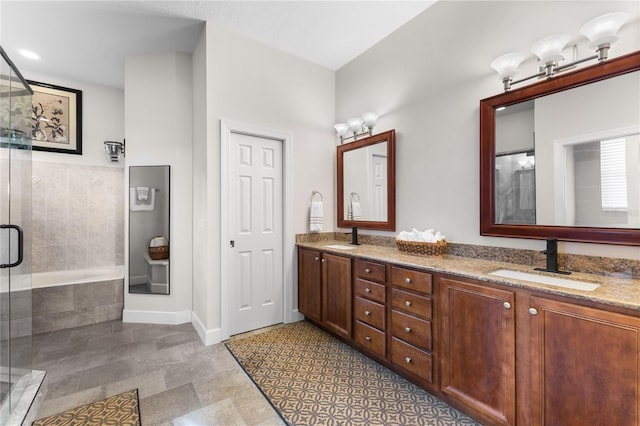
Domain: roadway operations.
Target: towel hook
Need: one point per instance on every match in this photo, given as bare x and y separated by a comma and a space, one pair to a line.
355, 196
313, 193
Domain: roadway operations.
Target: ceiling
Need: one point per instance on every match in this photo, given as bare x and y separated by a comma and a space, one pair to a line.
88, 40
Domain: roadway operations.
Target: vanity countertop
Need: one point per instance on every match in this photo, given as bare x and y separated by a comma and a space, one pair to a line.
613, 290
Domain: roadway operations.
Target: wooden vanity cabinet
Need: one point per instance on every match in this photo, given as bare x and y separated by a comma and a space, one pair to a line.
585, 365
411, 338
324, 290
369, 311
478, 363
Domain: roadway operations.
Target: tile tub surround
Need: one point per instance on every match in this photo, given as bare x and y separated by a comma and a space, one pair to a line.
614, 291
78, 216
74, 305
623, 268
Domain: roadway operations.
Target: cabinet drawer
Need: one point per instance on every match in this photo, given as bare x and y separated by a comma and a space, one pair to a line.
370, 290
412, 359
369, 312
411, 303
370, 338
411, 329
370, 270
414, 280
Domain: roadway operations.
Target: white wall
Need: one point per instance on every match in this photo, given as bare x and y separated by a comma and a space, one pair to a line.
427, 78
250, 83
158, 128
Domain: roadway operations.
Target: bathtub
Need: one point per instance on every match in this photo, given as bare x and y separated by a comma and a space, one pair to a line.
67, 299
78, 276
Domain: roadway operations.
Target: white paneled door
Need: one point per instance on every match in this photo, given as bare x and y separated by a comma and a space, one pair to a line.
256, 232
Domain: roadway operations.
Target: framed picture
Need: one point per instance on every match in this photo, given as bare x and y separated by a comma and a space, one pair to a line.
56, 118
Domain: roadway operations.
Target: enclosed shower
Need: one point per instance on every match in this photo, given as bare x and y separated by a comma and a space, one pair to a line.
18, 383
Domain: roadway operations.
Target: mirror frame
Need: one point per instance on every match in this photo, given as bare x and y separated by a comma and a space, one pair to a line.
390, 224
594, 73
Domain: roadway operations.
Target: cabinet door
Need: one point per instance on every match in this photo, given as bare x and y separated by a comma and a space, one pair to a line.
309, 284
478, 349
585, 365
336, 294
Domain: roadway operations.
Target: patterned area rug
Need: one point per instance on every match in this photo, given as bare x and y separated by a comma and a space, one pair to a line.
312, 378
121, 409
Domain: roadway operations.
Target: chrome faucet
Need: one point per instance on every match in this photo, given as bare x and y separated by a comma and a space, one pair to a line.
552, 258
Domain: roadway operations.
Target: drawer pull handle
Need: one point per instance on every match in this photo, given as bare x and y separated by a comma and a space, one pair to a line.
408, 360
367, 313
367, 338
407, 329
533, 311
407, 304
407, 280
507, 305
367, 290
367, 270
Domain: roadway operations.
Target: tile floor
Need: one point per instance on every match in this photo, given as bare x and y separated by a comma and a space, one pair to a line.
180, 381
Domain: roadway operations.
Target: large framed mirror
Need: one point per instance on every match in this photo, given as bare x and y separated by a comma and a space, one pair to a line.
367, 183
149, 233
561, 158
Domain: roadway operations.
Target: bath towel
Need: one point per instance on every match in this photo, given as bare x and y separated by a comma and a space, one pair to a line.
356, 210
316, 216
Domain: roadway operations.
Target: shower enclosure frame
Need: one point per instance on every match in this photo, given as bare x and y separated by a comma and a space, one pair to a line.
16, 375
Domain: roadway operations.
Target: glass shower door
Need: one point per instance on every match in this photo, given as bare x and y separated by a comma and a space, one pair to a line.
15, 237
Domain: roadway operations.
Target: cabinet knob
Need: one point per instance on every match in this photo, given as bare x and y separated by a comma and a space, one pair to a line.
407, 329
407, 304
323, 260
367, 313
317, 258
367, 338
507, 305
408, 360
407, 280
533, 311
367, 290
367, 270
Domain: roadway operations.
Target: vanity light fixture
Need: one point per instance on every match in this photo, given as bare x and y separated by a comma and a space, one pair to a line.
114, 150
357, 126
600, 31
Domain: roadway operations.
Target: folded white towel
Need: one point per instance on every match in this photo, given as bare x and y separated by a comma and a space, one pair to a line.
356, 210
427, 236
316, 216
142, 193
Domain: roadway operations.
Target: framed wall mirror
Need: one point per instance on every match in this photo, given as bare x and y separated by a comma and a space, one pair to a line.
561, 158
367, 183
149, 233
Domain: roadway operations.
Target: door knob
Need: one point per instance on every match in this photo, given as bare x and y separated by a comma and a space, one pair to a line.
507, 305
533, 311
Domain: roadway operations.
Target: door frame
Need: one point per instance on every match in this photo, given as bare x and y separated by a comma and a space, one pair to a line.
227, 128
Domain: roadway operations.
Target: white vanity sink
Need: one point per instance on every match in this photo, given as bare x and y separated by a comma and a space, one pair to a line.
340, 247
545, 279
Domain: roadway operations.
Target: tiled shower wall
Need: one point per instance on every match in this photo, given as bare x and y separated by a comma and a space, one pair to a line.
78, 216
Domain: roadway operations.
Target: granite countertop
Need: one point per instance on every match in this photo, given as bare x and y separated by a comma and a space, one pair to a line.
615, 291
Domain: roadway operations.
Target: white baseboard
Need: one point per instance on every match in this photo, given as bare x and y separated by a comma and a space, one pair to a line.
208, 337
297, 316
156, 317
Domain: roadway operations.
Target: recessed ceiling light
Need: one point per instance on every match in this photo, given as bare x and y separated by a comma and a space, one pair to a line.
29, 54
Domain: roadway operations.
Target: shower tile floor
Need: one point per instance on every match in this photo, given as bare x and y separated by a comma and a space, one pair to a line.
180, 381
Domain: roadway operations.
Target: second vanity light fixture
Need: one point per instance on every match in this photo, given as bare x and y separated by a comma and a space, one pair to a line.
357, 126
600, 31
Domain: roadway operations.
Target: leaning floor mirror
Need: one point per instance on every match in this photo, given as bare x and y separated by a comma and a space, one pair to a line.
149, 192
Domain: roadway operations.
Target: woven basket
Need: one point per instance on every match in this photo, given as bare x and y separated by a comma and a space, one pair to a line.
159, 253
416, 247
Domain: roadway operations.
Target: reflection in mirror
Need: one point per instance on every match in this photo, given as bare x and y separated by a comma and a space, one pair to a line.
366, 182
561, 158
149, 192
